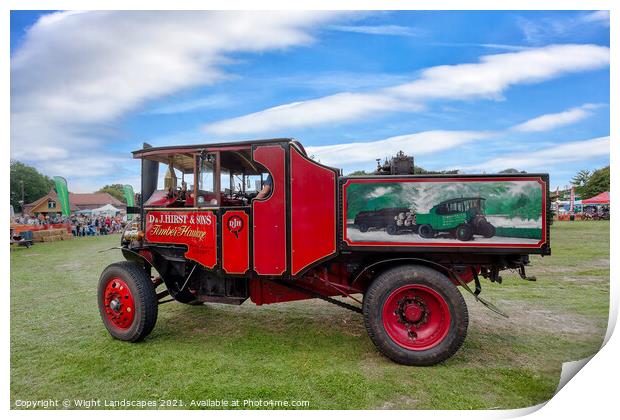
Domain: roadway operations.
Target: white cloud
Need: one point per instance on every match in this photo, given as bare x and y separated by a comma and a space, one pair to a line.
209, 102
506, 47
541, 160
393, 30
76, 74
559, 26
599, 16
418, 144
356, 155
550, 121
329, 109
334, 81
495, 73
486, 79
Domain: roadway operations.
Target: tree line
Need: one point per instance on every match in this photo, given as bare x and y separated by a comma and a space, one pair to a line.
588, 184
35, 185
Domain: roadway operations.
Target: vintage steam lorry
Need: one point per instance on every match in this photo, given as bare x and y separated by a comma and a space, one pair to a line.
262, 220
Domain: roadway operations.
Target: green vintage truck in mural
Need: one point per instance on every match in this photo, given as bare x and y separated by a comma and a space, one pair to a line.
461, 217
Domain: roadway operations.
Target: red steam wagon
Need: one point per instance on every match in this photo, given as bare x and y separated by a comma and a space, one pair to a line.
262, 220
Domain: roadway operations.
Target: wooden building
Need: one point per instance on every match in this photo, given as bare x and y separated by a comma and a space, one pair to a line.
49, 203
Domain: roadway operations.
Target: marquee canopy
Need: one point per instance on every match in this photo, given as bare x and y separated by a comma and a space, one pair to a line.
602, 198
108, 209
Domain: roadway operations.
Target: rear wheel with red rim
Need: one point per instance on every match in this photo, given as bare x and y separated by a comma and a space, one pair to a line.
415, 315
127, 301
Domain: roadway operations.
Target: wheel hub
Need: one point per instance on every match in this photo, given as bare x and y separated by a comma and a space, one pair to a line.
413, 312
115, 305
416, 317
118, 304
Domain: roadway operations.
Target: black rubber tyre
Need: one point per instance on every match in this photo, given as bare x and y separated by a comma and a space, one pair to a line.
464, 233
395, 278
426, 231
362, 227
144, 297
487, 230
391, 230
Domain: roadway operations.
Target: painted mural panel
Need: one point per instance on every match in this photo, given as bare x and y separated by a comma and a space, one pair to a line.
445, 212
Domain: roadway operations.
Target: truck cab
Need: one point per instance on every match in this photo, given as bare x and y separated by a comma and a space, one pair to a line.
283, 234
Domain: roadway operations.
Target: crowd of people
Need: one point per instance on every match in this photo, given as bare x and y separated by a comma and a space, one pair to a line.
95, 225
81, 224
39, 220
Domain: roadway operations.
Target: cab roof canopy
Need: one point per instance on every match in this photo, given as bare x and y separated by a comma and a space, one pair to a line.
238, 154
458, 200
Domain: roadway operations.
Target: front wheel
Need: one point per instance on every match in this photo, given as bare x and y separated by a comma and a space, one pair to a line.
464, 233
426, 231
415, 315
487, 230
127, 301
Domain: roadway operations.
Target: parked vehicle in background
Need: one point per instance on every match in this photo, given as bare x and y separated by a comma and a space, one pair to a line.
22, 239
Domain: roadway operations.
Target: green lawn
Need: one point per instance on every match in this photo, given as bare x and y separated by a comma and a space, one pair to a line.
309, 350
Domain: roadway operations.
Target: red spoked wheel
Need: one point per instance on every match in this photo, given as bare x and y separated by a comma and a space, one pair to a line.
118, 303
127, 301
416, 317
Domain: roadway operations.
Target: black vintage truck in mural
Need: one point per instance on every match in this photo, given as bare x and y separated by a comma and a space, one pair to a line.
378, 219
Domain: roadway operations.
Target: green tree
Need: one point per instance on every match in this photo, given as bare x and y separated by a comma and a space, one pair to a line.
115, 190
580, 180
598, 182
359, 173
417, 169
421, 171
36, 185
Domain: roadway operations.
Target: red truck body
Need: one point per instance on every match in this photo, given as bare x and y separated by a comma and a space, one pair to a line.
313, 236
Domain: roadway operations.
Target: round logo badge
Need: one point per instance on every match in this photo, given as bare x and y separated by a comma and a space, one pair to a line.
235, 225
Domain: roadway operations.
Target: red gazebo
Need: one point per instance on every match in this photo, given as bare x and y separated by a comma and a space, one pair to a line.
602, 198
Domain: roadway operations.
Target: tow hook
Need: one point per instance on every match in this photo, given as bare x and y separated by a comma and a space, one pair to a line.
521, 271
476, 294
477, 283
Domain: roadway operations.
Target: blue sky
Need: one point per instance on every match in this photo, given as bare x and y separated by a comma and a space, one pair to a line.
475, 91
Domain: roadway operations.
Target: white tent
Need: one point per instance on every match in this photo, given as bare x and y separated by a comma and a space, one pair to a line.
108, 209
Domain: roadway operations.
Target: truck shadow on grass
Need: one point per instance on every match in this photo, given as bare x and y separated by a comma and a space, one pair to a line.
537, 339
305, 319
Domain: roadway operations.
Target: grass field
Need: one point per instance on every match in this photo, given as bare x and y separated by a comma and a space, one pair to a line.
307, 351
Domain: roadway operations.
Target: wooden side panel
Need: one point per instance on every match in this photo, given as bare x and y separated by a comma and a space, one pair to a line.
313, 212
269, 215
235, 242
